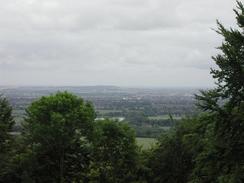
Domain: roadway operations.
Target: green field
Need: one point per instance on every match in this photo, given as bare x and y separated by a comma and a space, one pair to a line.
163, 117
146, 143
106, 111
164, 127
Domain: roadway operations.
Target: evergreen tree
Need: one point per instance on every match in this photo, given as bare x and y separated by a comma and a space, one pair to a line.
6, 121
6, 124
230, 73
222, 160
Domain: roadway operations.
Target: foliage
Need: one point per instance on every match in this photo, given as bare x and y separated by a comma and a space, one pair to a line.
172, 159
210, 148
6, 121
61, 142
6, 141
57, 130
222, 159
230, 73
115, 153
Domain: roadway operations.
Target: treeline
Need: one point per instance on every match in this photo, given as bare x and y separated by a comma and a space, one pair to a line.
62, 142
163, 106
145, 127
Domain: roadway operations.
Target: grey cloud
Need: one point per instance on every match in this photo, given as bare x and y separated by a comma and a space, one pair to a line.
109, 41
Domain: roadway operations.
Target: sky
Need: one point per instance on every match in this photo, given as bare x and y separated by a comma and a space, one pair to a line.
151, 43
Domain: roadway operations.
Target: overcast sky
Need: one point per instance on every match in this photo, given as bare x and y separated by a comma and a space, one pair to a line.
110, 42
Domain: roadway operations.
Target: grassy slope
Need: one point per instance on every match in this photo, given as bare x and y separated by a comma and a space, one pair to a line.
146, 143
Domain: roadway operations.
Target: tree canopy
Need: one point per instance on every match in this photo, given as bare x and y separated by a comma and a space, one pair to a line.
57, 129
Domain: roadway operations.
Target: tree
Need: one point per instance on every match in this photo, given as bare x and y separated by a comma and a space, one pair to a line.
115, 153
230, 73
6, 121
57, 131
172, 160
6, 124
222, 160
210, 148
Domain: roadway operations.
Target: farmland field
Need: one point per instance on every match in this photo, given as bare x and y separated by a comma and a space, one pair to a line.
163, 117
106, 111
146, 143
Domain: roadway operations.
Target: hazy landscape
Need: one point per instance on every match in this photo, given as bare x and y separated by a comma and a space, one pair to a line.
121, 91
147, 110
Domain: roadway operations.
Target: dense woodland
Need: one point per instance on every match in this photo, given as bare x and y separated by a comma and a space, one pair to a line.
61, 141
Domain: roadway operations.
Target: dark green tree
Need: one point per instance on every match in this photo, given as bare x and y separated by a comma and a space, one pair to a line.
6, 121
6, 124
222, 160
57, 131
230, 72
115, 153
172, 160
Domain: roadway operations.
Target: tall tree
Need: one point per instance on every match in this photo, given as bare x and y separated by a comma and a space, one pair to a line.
57, 130
6, 124
6, 121
222, 160
230, 72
